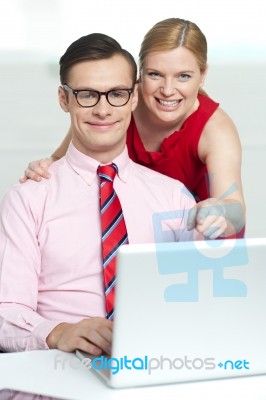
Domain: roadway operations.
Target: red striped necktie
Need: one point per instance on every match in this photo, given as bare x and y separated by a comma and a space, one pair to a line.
114, 232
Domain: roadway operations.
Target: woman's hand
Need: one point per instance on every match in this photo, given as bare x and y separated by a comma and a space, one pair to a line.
37, 170
214, 218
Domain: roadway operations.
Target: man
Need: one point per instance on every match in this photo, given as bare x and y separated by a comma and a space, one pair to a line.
51, 286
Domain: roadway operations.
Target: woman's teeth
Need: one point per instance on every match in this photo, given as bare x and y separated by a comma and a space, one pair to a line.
168, 103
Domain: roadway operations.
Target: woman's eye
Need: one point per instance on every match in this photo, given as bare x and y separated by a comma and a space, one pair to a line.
184, 77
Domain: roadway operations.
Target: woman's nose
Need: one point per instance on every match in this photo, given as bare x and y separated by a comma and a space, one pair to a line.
169, 87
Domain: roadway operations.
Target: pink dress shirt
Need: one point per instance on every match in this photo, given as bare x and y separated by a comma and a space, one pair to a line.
50, 242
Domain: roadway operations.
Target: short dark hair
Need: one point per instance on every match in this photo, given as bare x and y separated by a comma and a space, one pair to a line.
95, 46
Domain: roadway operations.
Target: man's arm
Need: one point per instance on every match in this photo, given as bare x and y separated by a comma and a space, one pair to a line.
21, 326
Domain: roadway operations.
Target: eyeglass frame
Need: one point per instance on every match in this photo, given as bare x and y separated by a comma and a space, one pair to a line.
75, 92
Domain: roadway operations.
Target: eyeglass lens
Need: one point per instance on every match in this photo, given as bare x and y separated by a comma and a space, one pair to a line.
88, 98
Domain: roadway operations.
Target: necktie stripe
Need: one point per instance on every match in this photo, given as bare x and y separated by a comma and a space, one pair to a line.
114, 233
110, 315
114, 250
108, 202
112, 225
111, 214
106, 177
110, 285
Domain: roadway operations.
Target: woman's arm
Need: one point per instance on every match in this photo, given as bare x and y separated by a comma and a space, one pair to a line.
62, 149
39, 169
220, 149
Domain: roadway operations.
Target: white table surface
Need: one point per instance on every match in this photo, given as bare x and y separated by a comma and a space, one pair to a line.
37, 371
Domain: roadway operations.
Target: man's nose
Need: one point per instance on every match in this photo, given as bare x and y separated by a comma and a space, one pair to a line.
102, 108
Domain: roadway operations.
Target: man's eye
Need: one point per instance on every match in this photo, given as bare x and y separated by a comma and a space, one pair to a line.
118, 94
87, 95
154, 74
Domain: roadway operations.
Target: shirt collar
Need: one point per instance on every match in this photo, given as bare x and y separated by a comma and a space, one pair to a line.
86, 166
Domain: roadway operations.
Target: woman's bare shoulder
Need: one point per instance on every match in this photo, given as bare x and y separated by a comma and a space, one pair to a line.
219, 132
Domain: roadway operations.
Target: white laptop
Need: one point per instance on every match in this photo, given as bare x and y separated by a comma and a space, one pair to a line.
187, 311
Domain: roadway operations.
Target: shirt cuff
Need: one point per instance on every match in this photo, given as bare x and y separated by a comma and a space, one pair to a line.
41, 332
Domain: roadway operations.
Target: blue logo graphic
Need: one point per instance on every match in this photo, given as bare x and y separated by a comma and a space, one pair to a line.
117, 364
230, 364
190, 257
147, 364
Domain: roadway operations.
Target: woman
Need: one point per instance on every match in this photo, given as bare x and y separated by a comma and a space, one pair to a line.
179, 131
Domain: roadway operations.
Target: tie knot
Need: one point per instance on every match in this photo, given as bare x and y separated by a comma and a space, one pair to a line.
107, 172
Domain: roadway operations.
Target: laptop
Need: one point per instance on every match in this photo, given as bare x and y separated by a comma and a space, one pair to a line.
187, 311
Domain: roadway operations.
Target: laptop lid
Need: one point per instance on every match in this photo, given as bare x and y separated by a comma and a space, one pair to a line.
189, 311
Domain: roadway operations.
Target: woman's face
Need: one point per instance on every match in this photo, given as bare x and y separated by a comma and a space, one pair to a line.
169, 85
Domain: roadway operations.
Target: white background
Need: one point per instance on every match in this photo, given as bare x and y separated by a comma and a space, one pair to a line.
234, 28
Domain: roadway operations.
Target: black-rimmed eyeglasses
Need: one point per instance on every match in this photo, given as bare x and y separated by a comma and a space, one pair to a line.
89, 98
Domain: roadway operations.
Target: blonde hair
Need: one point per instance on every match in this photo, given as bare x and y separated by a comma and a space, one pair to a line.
171, 33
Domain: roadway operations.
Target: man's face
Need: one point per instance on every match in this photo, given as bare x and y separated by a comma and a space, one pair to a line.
99, 131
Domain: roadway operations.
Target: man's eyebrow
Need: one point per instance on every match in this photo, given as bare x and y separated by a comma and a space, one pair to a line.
123, 86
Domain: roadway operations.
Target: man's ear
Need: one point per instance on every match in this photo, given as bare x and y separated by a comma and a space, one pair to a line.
135, 97
63, 99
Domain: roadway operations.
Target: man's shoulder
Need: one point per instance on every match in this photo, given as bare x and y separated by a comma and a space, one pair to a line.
33, 195
58, 166
155, 176
160, 183
32, 188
